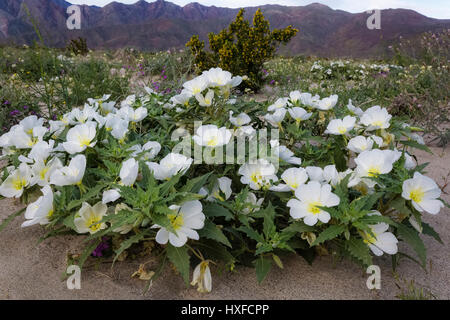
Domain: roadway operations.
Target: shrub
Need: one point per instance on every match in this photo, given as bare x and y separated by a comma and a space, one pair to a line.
78, 47
241, 48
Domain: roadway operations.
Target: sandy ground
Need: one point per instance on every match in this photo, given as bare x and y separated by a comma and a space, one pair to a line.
31, 271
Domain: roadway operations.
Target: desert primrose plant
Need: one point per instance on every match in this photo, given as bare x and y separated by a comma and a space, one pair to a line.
330, 178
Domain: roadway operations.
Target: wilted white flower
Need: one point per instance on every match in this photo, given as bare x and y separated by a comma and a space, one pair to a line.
202, 277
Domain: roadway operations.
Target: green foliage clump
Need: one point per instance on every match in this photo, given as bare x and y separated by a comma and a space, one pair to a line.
241, 48
78, 47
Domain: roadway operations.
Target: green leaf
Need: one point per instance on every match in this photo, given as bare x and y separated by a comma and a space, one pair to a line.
214, 250
428, 230
415, 144
298, 226
329, 233
11, 218
87, 252
211, 231
277, 261
399, 204
91, 194
252, 234
216, 210
262, 266
180, 259
374, 219
194, 185
359, 250
128, 243
411, 236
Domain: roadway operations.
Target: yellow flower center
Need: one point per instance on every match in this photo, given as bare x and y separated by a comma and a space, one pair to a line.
373, 171
342, 129
19, 183
377, 123
43, 173
50, 213
93, 223
207, 101
416, 195
176, 220
368, 238
85, 141
213, 141
256, 176
312, 207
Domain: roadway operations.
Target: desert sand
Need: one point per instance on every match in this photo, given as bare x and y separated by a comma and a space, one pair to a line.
31, 271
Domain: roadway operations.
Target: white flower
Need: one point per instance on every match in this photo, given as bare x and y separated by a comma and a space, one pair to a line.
279, 104
223, 185
70, 175
258, 175
207, 100
293, 177
359, 144
42, 171
110, 196
171, 165
252, 203
129, 101
284, 153
354, 110
315, 173
299, 114
129, 172
31, 122
41, 210
41, 150
22, 138
196, 85
217, 77
184, 220
88, 218
376, 118
202, 277
308, 100
150, 150
276, 118
241, 120
373, 163
327, 103
182, 98
339, 127
133, 115
381, 240
16, 182
423, 193
295, 97
211, 136
311, 196
331, 175
80, 137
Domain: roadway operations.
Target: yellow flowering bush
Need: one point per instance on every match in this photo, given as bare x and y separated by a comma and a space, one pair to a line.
241, 48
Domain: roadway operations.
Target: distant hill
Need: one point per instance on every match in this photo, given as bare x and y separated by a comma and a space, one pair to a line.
161, 25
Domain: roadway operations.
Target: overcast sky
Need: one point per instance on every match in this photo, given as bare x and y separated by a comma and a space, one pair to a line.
431, 8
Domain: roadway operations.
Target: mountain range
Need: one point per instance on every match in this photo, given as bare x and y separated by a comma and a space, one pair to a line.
162, 25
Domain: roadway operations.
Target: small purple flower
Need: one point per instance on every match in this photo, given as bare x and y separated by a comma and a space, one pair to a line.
103, 246
272, 82
14, 113
25, 107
